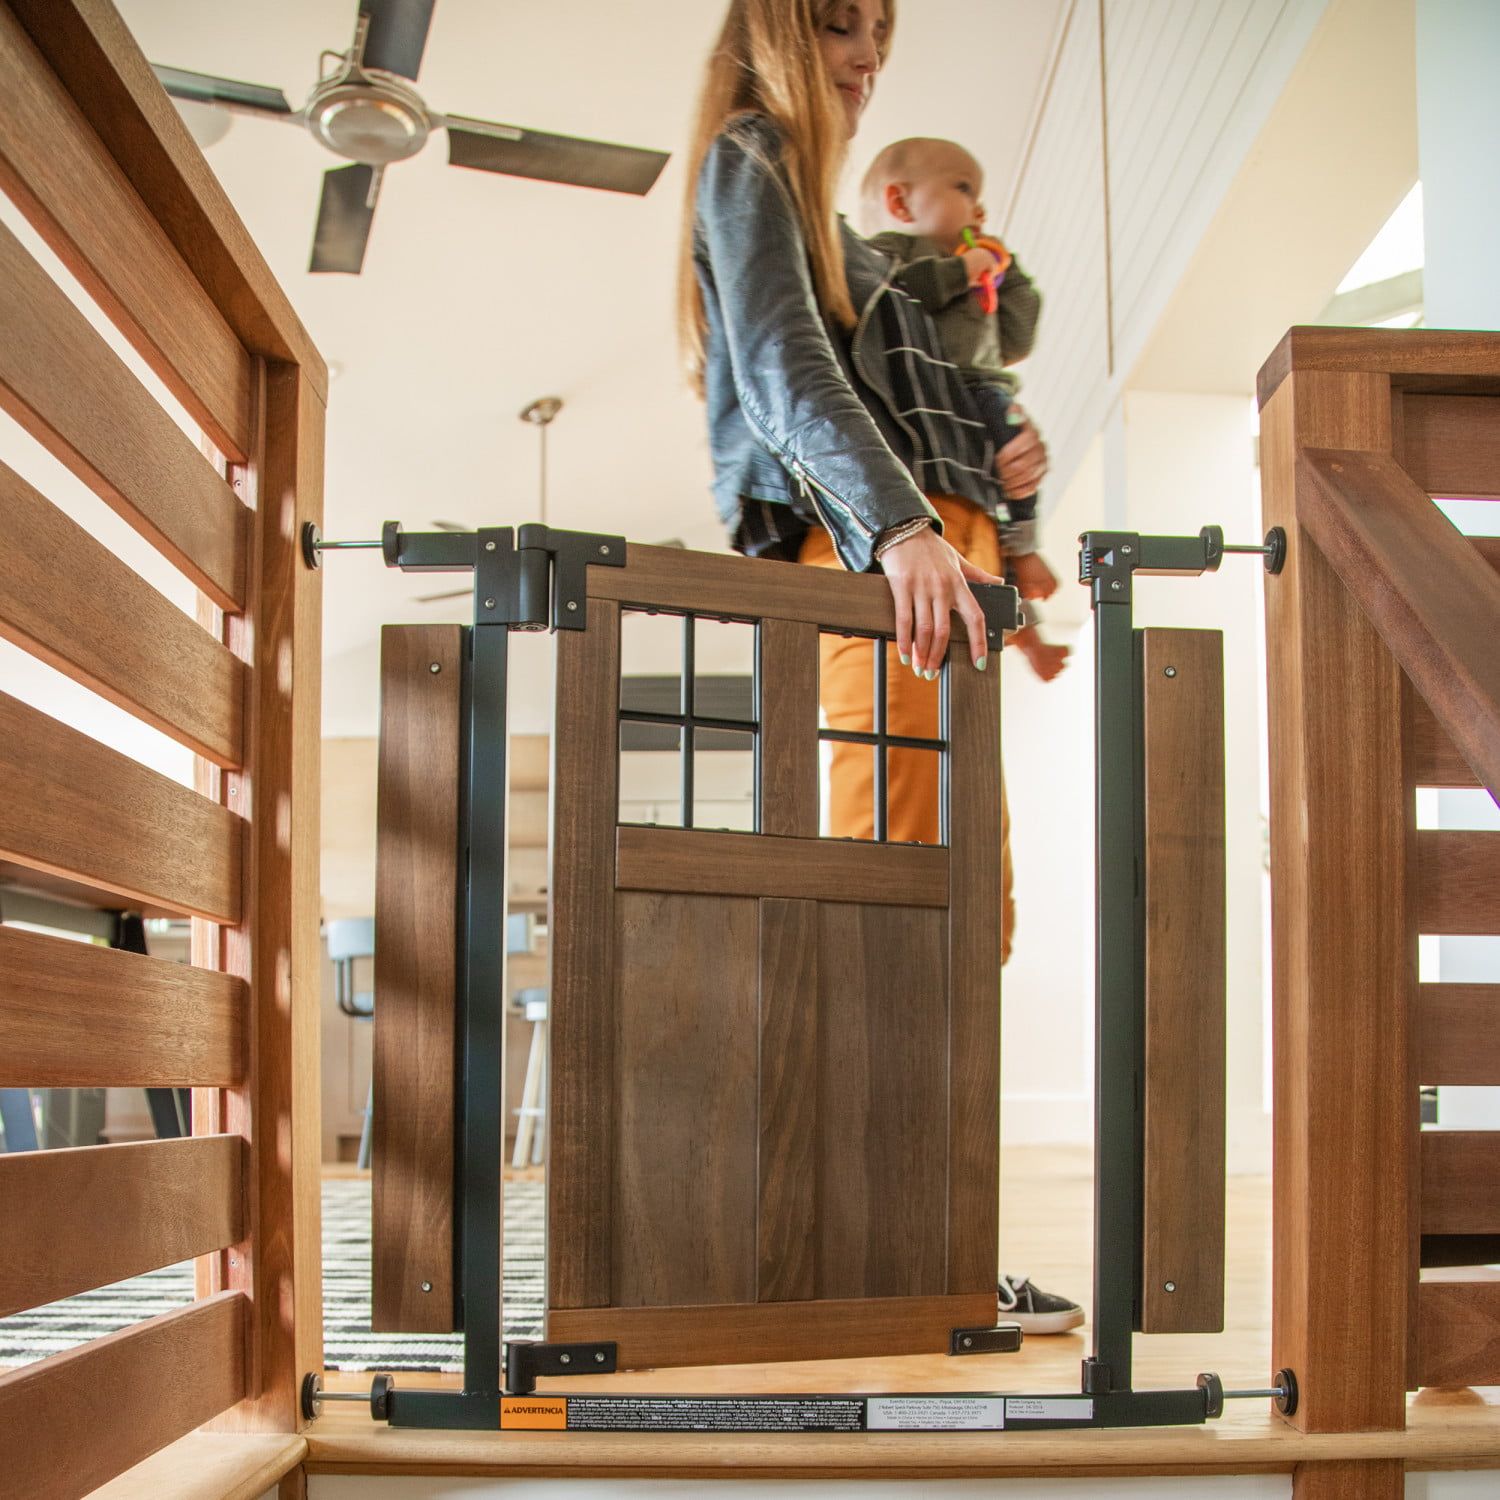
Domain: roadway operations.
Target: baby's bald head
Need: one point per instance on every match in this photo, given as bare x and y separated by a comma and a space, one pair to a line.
917, 162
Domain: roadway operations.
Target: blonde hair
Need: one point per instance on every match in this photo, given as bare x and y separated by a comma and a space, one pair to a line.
767, 61
905, 162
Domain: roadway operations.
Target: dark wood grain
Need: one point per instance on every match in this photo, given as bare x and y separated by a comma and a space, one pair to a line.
88, 1217
74, 1420
1460, 1181
973, 1041
787, 1217
75, 193
581, 926
1450, 445
102, 68
102, 624
67, 388
79, 1016
74, 807
1458, 1332
684, 1206
763, 1332
416, 938
1425, 360
882, 1101
788, 677
1183, 1152
1458, 881
1431, 596
1458, 1034
748, 864
1343, 953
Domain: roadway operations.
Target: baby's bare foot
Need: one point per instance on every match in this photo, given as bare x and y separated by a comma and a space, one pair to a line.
1046, 658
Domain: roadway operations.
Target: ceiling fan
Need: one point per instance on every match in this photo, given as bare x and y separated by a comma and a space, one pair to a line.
366, 108
539, 414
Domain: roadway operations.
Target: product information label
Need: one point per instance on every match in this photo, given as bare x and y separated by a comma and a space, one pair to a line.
936, 1413
715, 1414
1049, 1409
533, 1413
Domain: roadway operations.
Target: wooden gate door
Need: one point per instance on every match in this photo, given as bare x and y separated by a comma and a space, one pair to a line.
774, 1102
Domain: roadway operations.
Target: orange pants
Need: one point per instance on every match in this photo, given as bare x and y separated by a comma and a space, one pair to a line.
846, 691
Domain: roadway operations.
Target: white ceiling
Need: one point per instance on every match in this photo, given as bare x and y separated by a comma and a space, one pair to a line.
481, 292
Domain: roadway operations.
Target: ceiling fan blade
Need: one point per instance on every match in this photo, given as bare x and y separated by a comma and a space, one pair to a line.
397, 34
344, 217
204, 88
488, 147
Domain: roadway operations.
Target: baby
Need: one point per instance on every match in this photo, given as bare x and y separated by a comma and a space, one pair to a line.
921, 206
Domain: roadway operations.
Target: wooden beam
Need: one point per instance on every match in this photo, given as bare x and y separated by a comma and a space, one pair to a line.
1343, 955
74, 1420
76, 606
416, 947
1460, 1181
1458, 1034
87, 1217
75, 1015
1435, 760
72, 393
1414, 359
1450, 445
1458, 881
99, 63
75, 194
1431, 596
1350, 1479
788, 677
758, 864
75, 808
1458, 1332
210, 1466
1182, 1259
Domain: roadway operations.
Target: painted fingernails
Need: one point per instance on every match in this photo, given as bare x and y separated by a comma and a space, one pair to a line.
905, 660
980, 663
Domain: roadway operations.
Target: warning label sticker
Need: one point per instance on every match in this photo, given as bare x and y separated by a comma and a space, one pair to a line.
533, 1413
714, 1414
1049, 1409
936, 1413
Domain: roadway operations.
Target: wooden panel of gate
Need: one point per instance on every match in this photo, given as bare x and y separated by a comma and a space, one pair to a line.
1182, 1251
416, 915
774, 1088
98, 161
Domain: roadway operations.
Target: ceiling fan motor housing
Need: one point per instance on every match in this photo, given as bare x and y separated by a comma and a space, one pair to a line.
369, 116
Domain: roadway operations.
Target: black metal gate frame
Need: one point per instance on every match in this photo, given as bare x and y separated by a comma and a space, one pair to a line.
534, 579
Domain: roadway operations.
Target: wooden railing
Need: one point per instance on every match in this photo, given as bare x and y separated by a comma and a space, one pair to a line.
1384, 654
94, 156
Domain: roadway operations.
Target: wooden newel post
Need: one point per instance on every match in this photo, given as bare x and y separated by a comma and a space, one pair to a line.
1344, 955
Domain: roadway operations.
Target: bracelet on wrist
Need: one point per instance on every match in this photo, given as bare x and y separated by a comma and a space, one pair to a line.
902, 531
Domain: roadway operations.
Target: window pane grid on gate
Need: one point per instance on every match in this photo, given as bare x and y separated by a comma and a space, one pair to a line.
881, 742
714, 713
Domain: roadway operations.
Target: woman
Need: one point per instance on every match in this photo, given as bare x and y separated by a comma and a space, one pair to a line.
819, 432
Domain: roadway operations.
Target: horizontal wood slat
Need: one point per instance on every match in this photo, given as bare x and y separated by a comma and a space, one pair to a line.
65, 385
1458, 1034
768, 1332
75, 1015
1433, 598
761, 864
1454, 362
75, 605
1458, 881
88, 1217
74, 807
89, 46
53, 165
708, 583
1458, 1332
74, 1420
1451, 444
1460, 1181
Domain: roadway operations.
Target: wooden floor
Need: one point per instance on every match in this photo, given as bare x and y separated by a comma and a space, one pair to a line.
1046, 1207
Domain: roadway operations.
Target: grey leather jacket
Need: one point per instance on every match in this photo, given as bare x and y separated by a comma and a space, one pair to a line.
799, 413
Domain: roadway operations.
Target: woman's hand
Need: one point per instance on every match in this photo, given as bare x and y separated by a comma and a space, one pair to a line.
929, 581
1022, 462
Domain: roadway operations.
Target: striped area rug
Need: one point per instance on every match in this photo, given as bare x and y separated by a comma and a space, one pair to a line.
348, 1342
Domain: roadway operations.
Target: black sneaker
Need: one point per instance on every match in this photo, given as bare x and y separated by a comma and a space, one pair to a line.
1035, 1310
